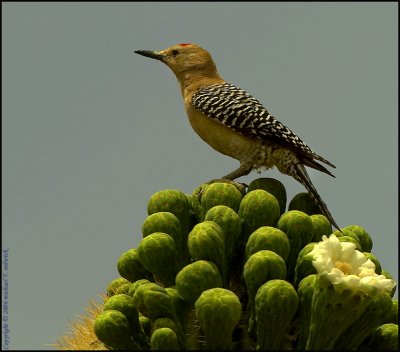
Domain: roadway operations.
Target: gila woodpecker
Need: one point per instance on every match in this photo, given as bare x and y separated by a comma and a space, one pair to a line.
234, 123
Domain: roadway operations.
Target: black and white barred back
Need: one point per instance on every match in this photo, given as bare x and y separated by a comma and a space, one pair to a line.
238, 110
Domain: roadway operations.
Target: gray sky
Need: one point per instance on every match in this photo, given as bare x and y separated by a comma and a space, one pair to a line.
91, 130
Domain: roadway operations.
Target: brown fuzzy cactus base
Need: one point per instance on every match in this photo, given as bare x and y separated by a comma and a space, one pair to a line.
82, 336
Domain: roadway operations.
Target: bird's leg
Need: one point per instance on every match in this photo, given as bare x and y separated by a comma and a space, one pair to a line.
243, 170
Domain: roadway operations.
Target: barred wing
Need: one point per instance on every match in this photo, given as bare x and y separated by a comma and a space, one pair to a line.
238, 110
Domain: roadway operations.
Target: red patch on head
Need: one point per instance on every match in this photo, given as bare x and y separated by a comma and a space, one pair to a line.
184, 44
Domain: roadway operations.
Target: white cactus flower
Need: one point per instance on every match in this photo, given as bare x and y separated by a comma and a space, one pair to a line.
347, 268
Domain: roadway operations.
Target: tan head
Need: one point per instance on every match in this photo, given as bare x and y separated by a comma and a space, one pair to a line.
185, 60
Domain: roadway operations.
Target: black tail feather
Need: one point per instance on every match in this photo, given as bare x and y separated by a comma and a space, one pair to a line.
301, 175
312, 163
320, 158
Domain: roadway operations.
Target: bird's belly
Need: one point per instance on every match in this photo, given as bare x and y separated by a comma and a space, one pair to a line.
260, 153
220, 137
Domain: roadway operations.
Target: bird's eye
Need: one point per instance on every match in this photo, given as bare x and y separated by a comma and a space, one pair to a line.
174, 52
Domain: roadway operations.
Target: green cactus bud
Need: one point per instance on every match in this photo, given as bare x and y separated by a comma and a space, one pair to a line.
350, 239
174, 201
164, 339
220, 194
378, 310
389, 276
153, 301
195, 278
211, 194
332, 312
169, 323
276, 304
157, 252
303, 202
146, 325
182, 308
261, 267
135, 285
385, 338
164, 323
258, 208
168, 223
138, 298
298, 227
163, 221
218, 311
348, 233
130, 267
230, 223
196, 206
394, 316
114, 285
305, 292
267, 237
239, 186
304, 266
112, 328
123, 289
375, 260
124, 304
364, 238
206, 241
272, 186
320, 226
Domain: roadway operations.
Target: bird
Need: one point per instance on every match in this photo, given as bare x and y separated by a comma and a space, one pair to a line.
236, 124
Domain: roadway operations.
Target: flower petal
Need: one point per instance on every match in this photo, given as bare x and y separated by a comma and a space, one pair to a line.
347, 268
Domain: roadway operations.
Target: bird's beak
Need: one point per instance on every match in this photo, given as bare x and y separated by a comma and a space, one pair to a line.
151, 54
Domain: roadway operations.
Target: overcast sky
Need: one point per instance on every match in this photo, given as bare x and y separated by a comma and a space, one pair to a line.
91, 130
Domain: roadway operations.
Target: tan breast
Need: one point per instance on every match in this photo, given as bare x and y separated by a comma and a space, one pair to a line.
220, 137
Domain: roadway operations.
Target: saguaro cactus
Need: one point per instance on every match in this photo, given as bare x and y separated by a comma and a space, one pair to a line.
222, 268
